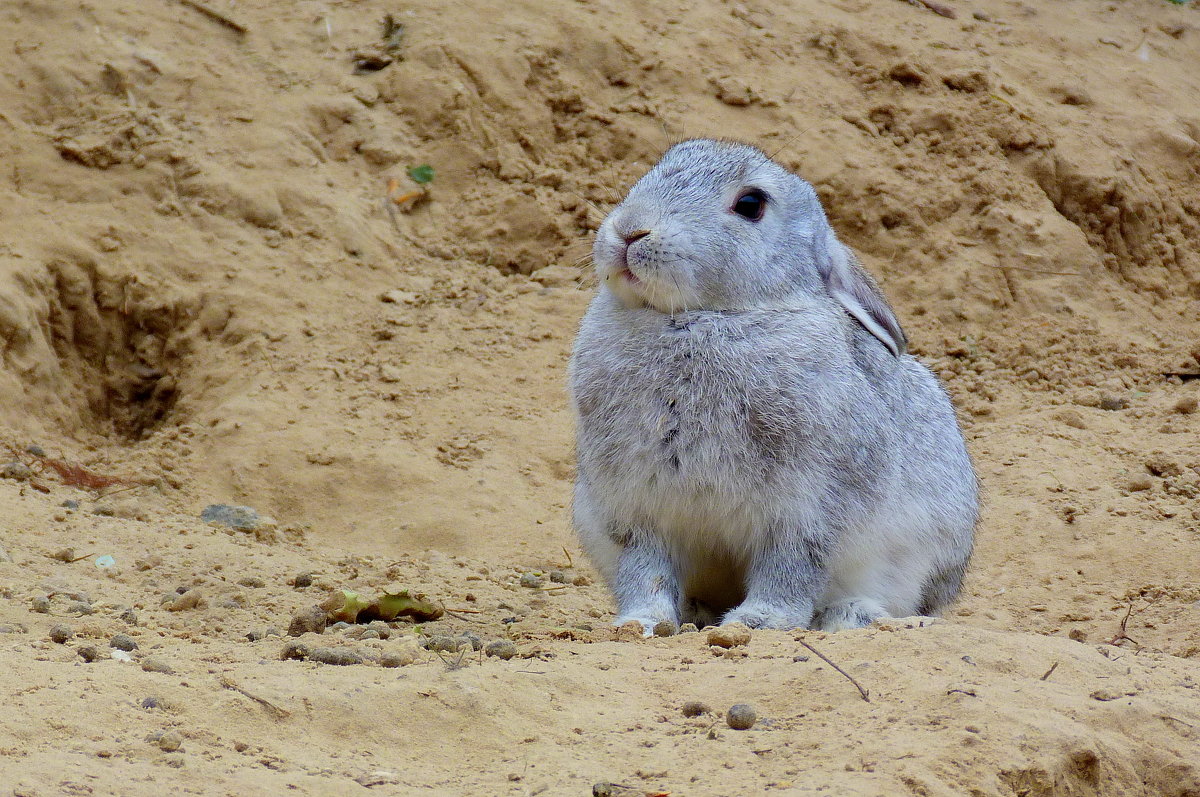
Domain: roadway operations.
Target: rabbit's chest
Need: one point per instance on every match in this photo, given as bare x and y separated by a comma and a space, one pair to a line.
692, 414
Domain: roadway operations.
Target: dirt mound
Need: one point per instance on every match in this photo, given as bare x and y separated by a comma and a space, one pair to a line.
225, 278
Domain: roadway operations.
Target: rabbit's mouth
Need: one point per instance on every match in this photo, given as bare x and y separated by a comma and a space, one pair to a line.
629, 276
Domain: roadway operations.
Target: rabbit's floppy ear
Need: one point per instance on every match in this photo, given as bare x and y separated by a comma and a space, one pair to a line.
850, 284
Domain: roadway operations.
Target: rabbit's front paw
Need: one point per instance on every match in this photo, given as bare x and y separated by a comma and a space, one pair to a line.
646, 622
853, 613
762, 615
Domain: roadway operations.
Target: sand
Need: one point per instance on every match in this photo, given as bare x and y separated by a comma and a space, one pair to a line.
205, 298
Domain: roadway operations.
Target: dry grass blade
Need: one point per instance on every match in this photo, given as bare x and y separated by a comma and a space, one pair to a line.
276, 711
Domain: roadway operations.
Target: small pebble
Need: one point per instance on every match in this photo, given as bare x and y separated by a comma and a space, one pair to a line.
151, 702
12, 628
694, 708
501, 648
1112, 403
129, 616
729, 636
65, 555
40, 604
254, 636
339, 626
156, 665
16, 470
688, 628
665, 628
445, 644
294, 650
88, 653
272, 631
1187, 405
581, 581
310, 620
192, 599
472, 639
80, 608
170, 741
253, 582
36, 450
70, 503
392, 659
303, 581
531, 580
741, 717
61, 633
123, 642
381, 628
336, 656
558, 577
242, 518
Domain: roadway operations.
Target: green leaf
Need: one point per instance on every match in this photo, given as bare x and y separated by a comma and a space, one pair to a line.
351, 603
421, 174
391, 605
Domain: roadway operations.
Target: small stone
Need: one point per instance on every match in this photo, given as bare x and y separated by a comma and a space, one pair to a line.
1187, 405
65, 555
558, 577
253, 582
694, 708
1113, 403
60, 633
192, 599
1106, 694
242, 518
12, 628
170, 741
381, 628
392, 659
36, 450
303, 581
531, 580
472, 639
1077, 635
729, 636
741, 717
88, 653
16, 470
294, 651
70, 503
156, 665
445, 644
581, 581
310, 620
123, 642
665, 628
501, 648
40, 604
151, 702
1139, 484
688, 628
255, 635
129, 616
340, 625
81, 608
335, 656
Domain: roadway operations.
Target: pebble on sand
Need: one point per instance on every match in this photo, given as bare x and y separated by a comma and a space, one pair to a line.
336, 656
741, 717
729, 636
501, 649
242, 518
60, 633
123, 642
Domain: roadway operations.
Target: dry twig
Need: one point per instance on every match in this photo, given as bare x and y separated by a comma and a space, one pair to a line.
276, 711
866, 695
216, 16
1050, 671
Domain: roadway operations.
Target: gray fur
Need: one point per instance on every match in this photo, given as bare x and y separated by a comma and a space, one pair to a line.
753, 437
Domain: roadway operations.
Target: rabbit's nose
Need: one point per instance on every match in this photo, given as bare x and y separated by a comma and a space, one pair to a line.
634, 236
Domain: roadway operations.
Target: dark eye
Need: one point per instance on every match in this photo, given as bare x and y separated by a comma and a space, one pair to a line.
751, 205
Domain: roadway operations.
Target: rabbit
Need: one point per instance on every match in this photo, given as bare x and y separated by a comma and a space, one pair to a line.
754, 441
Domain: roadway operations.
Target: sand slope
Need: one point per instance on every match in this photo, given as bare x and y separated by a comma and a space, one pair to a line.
203, 291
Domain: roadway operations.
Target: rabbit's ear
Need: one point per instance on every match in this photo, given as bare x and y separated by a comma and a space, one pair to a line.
855, 289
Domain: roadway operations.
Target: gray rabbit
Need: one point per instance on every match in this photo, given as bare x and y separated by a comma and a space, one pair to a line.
754, 440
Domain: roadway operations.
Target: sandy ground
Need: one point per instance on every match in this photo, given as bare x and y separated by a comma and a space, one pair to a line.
205, 295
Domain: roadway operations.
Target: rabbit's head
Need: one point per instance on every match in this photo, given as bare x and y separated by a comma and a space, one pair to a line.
719, 226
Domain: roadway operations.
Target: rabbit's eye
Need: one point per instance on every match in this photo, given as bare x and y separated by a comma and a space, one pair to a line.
751, 205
